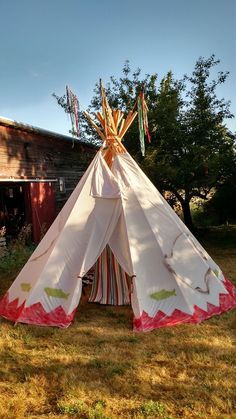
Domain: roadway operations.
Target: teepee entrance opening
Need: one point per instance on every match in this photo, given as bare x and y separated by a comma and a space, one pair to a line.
111, 284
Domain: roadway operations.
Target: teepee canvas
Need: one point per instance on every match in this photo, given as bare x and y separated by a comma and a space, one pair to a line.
117, 220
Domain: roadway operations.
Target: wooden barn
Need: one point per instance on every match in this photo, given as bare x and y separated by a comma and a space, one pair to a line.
38, 171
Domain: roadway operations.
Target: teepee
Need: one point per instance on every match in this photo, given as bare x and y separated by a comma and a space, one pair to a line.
117, 221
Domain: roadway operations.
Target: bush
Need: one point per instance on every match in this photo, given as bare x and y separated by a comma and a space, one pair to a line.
17, 252
202, 218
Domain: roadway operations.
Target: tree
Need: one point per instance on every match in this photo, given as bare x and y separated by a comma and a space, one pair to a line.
164, 155
209, 145
192, 150
223, 204
195, 149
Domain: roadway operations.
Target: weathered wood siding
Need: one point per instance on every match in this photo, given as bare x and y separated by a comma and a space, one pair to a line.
30, 155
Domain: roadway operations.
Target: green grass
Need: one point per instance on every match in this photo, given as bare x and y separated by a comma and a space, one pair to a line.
99, 368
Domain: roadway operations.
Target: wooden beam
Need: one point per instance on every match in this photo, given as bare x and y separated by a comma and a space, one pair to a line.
100, 119
115, 116
121, 114
121, 126
100, 133
130, 118
111, 122
110, 116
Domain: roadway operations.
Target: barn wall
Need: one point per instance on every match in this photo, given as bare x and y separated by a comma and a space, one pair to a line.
31, 155
40, 156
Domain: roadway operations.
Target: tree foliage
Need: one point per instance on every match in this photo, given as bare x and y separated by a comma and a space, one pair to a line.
192, 151
195, 150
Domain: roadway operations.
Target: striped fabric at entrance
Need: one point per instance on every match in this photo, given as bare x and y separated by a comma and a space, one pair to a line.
111, 283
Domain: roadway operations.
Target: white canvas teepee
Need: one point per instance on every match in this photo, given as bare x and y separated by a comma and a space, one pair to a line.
115, 205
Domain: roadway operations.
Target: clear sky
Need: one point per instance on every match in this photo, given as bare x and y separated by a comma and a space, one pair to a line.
46, 44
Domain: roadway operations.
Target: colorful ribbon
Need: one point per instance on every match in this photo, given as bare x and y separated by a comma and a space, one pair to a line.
143, 122
73, 108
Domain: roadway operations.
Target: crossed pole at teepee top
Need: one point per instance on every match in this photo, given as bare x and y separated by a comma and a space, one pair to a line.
113, 127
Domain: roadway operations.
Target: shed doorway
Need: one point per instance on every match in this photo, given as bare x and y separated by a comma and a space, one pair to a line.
27, 202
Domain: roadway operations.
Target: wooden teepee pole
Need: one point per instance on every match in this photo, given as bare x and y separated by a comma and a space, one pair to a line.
113, 127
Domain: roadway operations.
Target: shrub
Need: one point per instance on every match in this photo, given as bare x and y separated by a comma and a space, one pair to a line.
17, 252
153, 409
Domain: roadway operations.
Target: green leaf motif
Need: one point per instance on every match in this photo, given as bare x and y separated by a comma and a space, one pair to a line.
25, 286
56, 292
163, 294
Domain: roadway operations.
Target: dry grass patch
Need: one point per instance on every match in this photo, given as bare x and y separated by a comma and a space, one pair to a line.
98, 368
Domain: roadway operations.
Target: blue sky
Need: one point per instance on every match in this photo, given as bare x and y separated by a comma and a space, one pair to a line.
46, 44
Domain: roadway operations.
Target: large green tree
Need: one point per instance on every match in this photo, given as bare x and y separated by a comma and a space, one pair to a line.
195, 151
192, 150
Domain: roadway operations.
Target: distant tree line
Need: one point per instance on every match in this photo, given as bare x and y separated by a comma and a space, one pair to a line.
192, 154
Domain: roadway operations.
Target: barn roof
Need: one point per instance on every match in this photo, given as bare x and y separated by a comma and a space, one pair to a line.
29, 128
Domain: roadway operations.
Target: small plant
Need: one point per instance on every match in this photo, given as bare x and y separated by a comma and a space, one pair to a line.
99, 403
72, 409
153, 409
17, 252
97, 410
23, 237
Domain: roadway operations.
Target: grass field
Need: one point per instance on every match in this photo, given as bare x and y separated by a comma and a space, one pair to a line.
98, 368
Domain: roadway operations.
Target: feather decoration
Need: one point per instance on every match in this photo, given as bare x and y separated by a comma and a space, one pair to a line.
73, 108
141, 126
143, 121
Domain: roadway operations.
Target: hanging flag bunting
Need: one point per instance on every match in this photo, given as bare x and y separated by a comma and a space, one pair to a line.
145, 117
141, 127
143, 122
73, 107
